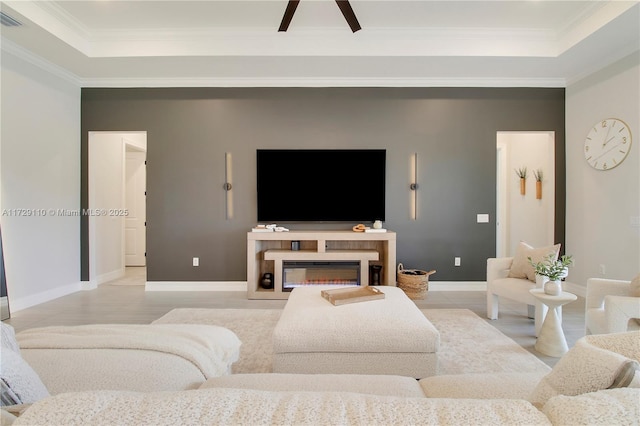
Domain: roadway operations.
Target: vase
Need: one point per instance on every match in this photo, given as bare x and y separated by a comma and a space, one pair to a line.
267, 280
553, 287
538, 190
540, 280
523, 186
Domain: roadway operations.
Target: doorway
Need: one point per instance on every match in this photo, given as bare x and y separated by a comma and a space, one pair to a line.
524, 217
135, 205
117, 207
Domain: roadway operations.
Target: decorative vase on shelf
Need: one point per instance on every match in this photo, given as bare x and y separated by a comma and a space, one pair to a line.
553, 288
267, 280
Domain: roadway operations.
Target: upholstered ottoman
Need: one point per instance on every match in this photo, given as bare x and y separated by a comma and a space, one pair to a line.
385, 336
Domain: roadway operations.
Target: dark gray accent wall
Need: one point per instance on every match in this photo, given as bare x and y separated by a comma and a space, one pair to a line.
453, 130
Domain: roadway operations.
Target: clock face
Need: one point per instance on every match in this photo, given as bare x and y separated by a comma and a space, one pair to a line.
607, 144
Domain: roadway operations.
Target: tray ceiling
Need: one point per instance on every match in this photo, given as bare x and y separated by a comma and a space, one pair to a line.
402, 43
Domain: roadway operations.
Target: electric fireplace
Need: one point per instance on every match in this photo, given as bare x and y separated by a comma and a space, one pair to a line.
297, 274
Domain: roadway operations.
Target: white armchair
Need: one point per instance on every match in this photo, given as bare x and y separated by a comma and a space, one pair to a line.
610, 307
499, 285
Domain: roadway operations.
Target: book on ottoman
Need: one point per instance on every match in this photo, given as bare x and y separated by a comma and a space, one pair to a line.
342, 296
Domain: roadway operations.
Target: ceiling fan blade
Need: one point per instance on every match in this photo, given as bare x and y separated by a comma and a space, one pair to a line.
349, 15
288, 14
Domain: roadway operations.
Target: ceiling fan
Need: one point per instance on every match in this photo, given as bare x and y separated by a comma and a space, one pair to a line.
344, 6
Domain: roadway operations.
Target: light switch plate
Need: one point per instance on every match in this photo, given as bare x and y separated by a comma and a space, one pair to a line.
482, 218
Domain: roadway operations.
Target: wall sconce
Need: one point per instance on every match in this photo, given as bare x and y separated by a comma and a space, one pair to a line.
413, 186
227, 186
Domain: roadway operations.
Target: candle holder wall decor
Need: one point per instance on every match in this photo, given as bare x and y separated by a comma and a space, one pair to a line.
538, 175
522, 174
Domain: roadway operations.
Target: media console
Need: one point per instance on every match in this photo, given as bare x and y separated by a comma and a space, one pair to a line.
266, 252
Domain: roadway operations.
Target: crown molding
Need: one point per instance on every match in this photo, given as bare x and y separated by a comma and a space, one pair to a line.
24, 54
619, 55
55, 20
325, 82
323, 42
8, 46
596, 16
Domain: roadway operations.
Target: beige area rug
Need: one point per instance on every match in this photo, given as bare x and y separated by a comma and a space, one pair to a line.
467, 343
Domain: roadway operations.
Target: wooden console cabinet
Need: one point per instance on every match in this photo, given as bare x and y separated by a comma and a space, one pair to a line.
266, 251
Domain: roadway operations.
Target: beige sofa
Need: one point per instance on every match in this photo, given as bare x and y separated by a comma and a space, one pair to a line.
512, 278
499, 284
596, 382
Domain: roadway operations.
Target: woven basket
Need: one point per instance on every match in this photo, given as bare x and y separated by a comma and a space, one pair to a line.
414, 282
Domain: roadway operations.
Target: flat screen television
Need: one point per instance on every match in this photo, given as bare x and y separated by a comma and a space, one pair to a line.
321, 185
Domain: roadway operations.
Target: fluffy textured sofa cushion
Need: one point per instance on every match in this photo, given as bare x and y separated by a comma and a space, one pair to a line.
481, 385
585, 368
634, 287
20, 384
384, 385
8, 338
626, 344
251, 407
606, 407
521, 268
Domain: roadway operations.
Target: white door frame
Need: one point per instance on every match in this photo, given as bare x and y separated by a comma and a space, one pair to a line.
137, 212
502, 214
139, 141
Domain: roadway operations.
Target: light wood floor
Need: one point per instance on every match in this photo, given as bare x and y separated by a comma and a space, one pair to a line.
125, 301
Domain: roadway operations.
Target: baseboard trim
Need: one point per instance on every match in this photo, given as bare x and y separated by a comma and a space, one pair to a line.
18, 304
88, 285
109, 276
196, 286
457, 286
242, 286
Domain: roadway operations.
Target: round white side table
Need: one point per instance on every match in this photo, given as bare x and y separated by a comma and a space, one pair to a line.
551, 340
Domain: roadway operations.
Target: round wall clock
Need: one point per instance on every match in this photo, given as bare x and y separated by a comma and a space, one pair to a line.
607, 144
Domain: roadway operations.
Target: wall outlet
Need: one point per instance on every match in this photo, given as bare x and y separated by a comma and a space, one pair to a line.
456, 261
603, 269
482, 218
196, 261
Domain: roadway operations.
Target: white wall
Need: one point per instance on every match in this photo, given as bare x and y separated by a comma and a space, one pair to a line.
529, 219
40, 143
603, 206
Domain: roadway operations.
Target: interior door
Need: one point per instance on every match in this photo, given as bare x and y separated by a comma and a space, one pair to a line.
135, 187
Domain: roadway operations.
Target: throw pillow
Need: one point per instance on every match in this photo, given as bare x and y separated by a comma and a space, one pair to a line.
635, 286
521, 268
20, 383
8, 338
585, 368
